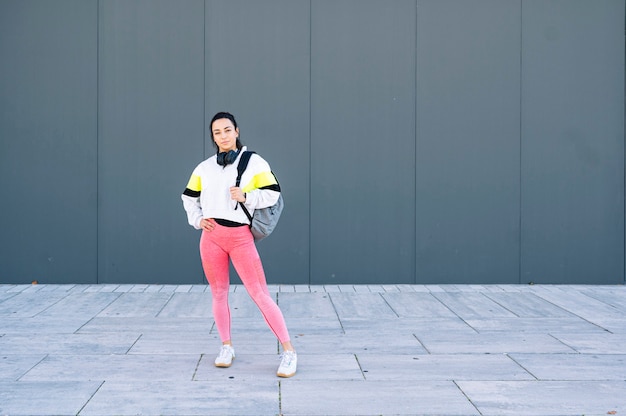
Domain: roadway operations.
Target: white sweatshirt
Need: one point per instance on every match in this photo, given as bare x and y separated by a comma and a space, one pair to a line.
207, 194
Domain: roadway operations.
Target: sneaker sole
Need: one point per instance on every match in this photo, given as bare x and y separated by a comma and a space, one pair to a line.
225, 365
283, 375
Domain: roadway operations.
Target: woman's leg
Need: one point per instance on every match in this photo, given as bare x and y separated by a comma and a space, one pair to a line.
248, 264
215, 265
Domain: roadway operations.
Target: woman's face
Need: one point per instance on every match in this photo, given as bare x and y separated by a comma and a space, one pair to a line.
225, 134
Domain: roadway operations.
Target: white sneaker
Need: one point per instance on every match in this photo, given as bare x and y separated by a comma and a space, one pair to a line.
226, 356
288, 364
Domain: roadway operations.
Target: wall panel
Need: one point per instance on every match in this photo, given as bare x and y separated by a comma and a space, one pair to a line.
257, 67
151, 129
468, 117
48, 78
363, 141
573, 141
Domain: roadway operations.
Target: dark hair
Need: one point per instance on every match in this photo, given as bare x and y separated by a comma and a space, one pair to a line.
219, 116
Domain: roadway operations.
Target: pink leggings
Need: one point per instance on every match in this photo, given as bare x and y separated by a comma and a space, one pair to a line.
238, 244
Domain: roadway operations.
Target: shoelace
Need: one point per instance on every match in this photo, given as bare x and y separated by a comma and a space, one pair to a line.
224, 352
286, 358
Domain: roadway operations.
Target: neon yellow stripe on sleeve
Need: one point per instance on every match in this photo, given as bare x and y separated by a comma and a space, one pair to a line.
195, 183
260, 180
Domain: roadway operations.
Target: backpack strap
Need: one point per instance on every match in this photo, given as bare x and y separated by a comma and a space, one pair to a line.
243, 164
241, 167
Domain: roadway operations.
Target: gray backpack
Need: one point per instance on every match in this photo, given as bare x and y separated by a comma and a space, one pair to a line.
265, 219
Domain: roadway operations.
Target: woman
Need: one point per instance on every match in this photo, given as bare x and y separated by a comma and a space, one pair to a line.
211, 202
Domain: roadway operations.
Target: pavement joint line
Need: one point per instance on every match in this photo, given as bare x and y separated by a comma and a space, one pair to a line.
195, 371
356, 357
336, 313
521, 366
382, 295
422, 344
575, 351
90, 398
467, 397
499, 304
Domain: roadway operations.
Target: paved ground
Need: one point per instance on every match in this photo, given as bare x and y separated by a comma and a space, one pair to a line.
363, 350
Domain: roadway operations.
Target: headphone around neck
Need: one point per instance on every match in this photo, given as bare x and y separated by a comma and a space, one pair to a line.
227, 158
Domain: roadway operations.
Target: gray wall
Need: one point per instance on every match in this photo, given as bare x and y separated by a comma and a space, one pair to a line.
48, 141
416, 141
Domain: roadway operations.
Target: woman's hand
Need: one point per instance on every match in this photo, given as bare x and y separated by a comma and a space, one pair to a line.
237, 194
207, 224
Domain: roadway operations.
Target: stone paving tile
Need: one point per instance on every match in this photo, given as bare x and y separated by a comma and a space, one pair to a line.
307, 305
14, 366
472, 305
89, 344
491, 343
4, 288
72, 288
536, 325
580, 304
302, 288
153, 288
391, 288
528, 305
137, 304
361, 305
27, 305
388, 327
45, 397
39, 325
80, 304
604, 343
611, 295
200, 288
417, 305
304, 397
188, 305
546, 398
6, 295
326, 367
376, 288
613, 325
441, 367
242, 306
574, 367
168, 289
201, 343
308, 326
114, 367
103, 288
247, 367
357, 343
286, 288
145, 324
256, 398
16, 288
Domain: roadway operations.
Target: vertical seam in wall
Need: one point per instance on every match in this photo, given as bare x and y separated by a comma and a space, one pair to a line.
97, 142
204, 54
521, 91
310, 135
415, 239
204, 94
